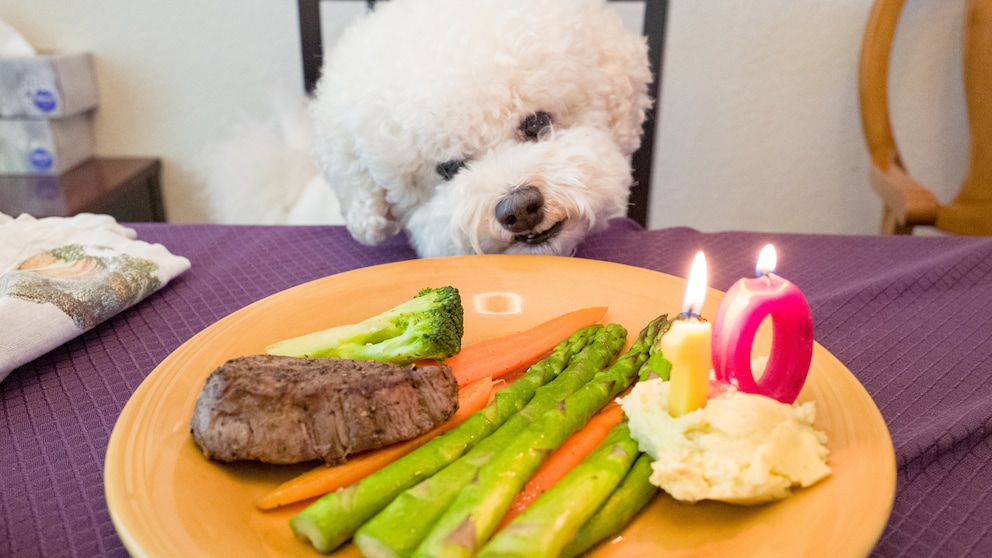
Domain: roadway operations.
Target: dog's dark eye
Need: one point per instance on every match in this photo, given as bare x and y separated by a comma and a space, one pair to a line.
449, 169
535, 125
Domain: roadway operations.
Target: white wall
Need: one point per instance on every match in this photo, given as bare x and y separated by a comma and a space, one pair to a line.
758, 124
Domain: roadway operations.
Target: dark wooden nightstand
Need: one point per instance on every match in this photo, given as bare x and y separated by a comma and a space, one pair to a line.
129, 189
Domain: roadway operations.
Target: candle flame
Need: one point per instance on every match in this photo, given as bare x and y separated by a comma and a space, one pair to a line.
766, 261
695, 291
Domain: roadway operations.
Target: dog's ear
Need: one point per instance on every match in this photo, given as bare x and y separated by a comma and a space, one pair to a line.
624, 61
364, 205
366, 210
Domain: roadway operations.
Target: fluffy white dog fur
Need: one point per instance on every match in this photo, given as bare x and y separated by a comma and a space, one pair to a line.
430, 113
263, 171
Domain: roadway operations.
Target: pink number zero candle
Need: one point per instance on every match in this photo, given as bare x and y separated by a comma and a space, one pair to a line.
748, 302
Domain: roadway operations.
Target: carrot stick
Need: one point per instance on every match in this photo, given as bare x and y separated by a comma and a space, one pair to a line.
565, 458
501, 355
323, 479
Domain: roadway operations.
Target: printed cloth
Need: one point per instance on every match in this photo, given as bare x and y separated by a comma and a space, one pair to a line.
62, 276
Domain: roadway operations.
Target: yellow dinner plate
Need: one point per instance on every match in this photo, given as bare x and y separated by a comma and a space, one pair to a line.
166, 499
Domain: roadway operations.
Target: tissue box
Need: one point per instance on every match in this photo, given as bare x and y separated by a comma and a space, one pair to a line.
48, 86
45, 147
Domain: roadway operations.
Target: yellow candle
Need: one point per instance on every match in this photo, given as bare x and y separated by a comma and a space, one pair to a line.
687, 346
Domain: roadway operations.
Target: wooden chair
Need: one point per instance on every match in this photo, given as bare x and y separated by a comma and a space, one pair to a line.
655, 16
906, 202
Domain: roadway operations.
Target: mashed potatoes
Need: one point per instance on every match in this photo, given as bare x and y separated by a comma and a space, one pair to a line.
740, 448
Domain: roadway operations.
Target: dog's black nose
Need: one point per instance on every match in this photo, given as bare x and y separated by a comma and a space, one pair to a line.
521, 210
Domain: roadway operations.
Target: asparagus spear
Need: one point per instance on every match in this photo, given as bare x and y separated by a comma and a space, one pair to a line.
545, 527
476, 512
333, 519
634, 492
402, 525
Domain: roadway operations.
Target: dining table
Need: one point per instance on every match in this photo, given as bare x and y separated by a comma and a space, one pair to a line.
909, 316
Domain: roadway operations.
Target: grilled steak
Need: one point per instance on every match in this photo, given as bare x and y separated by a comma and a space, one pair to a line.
280, 409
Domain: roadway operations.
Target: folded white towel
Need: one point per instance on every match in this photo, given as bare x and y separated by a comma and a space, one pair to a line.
62, 276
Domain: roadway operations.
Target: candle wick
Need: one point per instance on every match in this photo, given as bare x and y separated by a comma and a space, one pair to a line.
690, 315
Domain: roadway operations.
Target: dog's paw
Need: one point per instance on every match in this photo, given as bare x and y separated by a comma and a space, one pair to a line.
369, 221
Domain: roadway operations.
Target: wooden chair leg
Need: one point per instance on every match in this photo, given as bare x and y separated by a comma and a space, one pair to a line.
891, 226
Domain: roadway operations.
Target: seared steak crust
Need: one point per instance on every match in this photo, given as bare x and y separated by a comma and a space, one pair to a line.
279, 409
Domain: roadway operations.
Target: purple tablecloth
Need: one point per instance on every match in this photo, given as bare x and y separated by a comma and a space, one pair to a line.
910, 317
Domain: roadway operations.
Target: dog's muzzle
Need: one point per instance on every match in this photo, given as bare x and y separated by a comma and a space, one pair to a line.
521, 211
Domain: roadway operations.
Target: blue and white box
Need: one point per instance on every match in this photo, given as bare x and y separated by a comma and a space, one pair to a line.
46, 113
39, 146
47, 86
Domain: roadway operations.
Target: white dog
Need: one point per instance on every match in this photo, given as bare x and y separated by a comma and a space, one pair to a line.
482, 126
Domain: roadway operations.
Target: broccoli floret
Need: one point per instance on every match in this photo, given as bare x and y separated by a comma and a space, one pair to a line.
428, 326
